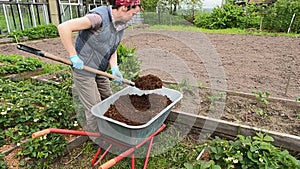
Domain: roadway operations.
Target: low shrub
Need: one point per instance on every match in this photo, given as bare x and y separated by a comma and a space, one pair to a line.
11, 64
39, 32
246, 152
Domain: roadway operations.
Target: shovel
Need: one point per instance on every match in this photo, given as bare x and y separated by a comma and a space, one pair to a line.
68, 62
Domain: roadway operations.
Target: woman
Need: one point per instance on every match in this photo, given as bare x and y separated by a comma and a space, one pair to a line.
100, 32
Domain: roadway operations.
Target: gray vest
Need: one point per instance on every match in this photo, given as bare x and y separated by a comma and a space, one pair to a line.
95, 47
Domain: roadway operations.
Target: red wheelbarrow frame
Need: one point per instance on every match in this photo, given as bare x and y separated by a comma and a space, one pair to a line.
114, 160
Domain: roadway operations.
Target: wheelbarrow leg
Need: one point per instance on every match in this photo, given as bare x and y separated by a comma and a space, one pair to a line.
94, 162
126, 153
96, 156
132, 161
148, 153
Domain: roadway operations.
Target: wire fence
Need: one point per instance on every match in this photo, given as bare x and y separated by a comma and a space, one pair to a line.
20, 15
163, 18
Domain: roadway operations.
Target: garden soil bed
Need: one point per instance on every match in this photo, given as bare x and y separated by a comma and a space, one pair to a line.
56, 77
278, 115
24, 75
248, 62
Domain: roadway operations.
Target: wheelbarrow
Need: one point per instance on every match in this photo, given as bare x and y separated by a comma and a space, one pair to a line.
95, 161
121, 134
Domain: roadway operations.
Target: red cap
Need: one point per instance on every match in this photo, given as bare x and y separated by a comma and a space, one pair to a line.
128, 2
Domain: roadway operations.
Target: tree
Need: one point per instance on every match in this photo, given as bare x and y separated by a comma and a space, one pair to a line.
149, 5
191, 6
174, 5
278, 17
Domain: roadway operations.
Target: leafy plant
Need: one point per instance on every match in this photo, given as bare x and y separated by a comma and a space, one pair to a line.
124, 52
215, 98
38, 32
263, 98
250, 152
29, 106
2, 162
229, 16
50, 68
183, 85
48, 147
279, 16
128, 65
202, 165
11, 64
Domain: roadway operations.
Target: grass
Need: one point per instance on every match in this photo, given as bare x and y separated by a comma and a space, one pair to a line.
2, 23
167, 152
218, 31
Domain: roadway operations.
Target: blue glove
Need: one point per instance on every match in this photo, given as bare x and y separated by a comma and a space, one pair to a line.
76, 62
116, 72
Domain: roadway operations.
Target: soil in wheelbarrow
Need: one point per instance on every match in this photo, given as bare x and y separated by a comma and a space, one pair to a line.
137, 110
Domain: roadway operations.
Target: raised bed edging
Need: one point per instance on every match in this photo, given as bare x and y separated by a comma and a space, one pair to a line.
24, 75
243, 94
47, 77
230, 130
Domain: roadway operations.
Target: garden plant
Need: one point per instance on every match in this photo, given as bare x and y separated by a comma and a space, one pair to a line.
245, 152
28, 106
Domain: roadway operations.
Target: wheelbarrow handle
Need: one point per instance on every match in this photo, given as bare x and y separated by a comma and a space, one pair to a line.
40, 133
68, 62
108, 164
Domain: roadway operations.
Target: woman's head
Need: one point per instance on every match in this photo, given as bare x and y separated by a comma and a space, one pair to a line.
124, 10
127, 3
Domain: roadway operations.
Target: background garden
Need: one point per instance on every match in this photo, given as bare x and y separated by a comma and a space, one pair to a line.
29, 105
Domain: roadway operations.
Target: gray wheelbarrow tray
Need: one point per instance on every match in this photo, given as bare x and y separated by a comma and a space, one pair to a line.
128, 134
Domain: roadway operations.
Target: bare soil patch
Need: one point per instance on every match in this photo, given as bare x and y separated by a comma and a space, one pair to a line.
242, 62
248, 63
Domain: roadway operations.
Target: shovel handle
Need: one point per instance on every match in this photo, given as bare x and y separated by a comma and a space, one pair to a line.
68, 62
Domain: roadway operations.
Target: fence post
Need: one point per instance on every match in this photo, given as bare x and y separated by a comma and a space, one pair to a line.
291, 23
54, 14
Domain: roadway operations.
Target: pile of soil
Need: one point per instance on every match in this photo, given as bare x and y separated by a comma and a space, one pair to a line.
137, 110
148, 82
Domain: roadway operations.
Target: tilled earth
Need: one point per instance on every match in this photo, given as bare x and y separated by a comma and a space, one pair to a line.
236, 64
247, 62
227, 62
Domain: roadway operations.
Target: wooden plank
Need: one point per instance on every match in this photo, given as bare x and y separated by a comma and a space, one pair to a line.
230, 130
76, 142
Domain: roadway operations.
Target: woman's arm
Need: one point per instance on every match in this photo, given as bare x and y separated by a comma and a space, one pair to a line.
113, 60
66, 29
